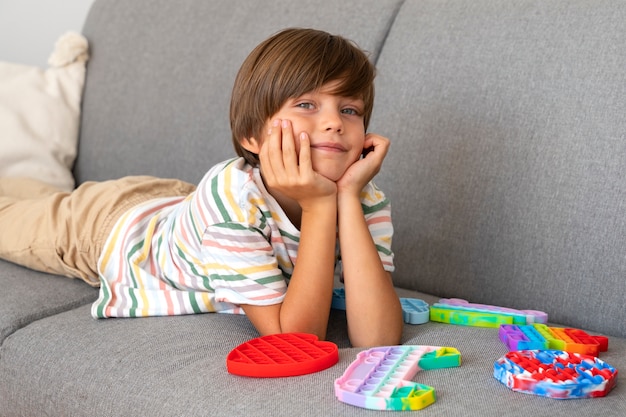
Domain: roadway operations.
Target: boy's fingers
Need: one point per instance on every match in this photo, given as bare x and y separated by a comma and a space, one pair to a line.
376, 143
270, 155
305, 153
275, 150
290, 159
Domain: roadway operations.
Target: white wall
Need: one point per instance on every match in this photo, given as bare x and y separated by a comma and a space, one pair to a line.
29, 28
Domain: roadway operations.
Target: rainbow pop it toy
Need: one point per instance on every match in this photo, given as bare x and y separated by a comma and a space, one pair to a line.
279, 355
458, 311
380, 378
539, 336
414, 310
555, 374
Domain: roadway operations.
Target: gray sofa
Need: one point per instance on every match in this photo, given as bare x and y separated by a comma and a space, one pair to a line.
506, 175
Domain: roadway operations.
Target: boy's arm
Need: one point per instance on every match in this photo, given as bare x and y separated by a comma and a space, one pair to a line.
306, 305
373, 308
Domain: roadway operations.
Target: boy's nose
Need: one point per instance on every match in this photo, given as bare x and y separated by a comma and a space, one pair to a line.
332, 122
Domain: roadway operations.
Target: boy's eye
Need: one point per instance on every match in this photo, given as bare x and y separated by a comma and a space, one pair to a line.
350, 111
305, 105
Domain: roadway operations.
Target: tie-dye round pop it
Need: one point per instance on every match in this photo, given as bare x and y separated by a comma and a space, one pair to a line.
555, 374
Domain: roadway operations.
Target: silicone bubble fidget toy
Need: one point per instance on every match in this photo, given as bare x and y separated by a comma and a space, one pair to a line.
380, 378
339, 299
457, 311
280, 355
414, 310
539, 336
555, 374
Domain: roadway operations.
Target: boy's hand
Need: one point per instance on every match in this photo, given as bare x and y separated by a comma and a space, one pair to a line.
292, 175
364, 170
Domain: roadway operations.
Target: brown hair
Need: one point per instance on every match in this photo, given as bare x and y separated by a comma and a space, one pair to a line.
287, 65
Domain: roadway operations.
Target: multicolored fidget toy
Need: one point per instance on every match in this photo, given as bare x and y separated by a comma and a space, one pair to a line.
462, 312
555, 374
380, 378
414, 310
541, 337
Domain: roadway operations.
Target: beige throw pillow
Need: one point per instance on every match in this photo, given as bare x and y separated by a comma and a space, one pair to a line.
40, 114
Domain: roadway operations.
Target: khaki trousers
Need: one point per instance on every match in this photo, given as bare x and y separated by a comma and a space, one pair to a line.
62, 233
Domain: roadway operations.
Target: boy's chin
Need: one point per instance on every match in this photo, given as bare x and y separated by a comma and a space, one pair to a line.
333, 175
332, 178
333, 169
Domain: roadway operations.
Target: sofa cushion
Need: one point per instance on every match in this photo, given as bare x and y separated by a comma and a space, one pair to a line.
506, 166
28, 296
71, 364
40, 113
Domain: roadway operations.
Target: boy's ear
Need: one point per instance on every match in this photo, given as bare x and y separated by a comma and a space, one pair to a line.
251, 145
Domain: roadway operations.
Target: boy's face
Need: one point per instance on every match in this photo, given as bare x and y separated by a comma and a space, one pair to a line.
334, 125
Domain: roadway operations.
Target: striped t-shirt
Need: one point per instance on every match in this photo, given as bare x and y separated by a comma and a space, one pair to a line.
226, 244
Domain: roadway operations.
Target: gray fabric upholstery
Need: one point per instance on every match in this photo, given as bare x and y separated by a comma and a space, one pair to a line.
28, 296
505, 175
170, 366
508, 154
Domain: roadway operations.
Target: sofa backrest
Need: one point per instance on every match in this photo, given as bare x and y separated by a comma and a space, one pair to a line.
507, 169
158, 83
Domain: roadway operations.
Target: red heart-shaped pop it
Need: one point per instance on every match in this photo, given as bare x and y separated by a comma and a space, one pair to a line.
279, 355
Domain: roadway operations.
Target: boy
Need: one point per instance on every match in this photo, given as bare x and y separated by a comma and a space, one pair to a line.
299, 110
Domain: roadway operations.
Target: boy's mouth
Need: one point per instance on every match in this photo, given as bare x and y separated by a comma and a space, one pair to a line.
328, 147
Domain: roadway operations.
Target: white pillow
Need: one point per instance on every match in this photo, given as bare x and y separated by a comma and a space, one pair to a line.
40, 114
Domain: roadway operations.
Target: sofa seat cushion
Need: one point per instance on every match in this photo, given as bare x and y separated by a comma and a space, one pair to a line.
159, 366
28, 296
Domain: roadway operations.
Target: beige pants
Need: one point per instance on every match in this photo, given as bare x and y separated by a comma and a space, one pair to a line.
62, 233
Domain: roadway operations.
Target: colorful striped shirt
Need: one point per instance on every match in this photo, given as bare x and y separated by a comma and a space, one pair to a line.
226, 244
